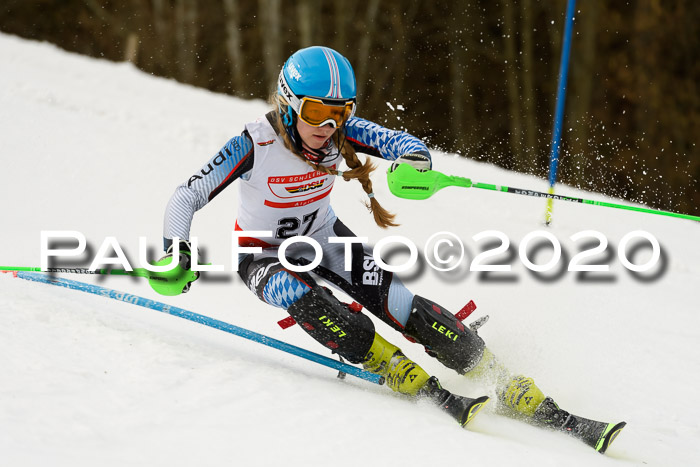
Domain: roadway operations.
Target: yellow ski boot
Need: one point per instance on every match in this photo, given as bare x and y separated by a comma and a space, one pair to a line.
520, 396
404, 376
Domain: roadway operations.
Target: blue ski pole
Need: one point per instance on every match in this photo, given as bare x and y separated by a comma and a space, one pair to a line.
201, 319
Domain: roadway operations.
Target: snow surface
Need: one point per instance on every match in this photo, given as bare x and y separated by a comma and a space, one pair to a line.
98, 147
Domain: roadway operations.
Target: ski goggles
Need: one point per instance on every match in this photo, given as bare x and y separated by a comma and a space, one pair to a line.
316, 111
319, 112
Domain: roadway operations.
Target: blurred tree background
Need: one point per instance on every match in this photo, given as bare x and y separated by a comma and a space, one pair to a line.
476, 77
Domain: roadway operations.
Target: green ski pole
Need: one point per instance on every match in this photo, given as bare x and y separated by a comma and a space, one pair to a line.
406, 182
138, 272
165, 283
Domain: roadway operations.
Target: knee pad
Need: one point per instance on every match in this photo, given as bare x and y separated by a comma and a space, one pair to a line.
347, 333
444, 336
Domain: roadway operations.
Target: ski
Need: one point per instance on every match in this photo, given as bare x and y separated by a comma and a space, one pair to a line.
462, 409
608, 436
598, 435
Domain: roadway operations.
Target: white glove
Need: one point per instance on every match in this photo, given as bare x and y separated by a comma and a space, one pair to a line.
419, 162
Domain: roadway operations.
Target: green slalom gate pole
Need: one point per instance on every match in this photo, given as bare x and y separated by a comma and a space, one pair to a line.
406, 182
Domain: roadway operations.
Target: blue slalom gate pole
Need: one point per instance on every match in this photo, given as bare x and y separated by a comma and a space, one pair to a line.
201, 319
561, 99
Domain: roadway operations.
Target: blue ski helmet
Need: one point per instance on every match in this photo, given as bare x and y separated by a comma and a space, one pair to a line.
318, 72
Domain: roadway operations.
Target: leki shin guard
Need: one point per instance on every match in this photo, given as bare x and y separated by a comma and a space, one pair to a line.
333, 324
443, 335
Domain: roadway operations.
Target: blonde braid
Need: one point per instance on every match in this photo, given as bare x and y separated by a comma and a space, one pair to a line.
359, 171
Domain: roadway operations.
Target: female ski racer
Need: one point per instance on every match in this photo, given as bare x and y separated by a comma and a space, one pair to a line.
286, 164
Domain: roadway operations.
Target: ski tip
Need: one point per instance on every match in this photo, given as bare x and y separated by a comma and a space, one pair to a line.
473, 409
609, 435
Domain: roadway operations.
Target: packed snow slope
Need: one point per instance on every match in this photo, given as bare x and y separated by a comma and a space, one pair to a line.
97, 147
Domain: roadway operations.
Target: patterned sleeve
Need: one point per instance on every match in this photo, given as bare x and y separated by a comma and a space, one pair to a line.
233, 161
375, 140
